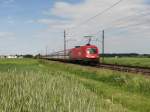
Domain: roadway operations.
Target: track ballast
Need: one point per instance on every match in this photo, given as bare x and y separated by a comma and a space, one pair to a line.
121, 68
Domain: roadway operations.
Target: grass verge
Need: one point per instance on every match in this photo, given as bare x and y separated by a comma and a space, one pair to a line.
45, 86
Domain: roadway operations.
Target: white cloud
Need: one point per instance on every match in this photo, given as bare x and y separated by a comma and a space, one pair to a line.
80, 12
57, 24
75, 14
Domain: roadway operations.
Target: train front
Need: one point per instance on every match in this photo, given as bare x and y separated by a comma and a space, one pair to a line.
92, 53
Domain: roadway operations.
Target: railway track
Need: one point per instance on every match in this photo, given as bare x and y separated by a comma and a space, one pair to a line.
129, 69
121, 68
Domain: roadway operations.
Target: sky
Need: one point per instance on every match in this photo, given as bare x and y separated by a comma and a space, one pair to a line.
31, 26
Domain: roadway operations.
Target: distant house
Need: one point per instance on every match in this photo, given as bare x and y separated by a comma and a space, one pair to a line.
12, 57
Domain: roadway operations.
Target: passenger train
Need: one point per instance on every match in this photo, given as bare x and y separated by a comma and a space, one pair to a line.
85, 54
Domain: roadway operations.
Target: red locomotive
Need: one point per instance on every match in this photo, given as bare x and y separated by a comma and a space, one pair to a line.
87, 53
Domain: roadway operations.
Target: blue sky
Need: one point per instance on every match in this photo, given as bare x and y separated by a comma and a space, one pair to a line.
16, 17
19, 12
28, 26
147, 1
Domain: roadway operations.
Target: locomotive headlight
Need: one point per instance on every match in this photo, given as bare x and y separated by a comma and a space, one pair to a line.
88, 52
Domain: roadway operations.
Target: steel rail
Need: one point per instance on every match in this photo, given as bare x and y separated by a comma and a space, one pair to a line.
121, 68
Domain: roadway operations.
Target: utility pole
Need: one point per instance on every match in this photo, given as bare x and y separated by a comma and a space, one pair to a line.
103, 45
64, 44
46, 49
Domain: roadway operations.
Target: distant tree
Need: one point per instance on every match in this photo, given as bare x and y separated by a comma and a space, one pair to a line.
28, 56
120, 55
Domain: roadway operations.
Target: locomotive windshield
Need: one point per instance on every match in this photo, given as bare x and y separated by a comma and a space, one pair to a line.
92, 51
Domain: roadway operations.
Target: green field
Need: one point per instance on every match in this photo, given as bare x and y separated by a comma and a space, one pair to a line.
132, 61
28, 85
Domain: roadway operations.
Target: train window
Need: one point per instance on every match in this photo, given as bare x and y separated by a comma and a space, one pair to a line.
92, 51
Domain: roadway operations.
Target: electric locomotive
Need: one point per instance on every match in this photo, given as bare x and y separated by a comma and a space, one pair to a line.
88, 54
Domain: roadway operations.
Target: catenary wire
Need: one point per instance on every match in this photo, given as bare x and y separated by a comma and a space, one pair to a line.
100, 13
